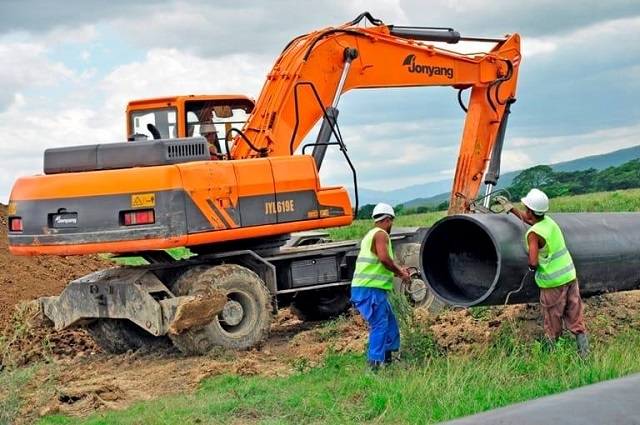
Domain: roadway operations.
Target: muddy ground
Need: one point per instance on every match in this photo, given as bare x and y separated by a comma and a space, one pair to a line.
78, 378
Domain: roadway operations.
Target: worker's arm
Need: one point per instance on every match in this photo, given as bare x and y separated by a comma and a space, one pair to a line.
510, 208
520, 214
380, 248
533, 241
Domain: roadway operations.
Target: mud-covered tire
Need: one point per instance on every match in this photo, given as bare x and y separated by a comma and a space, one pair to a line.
244, 322
323, 304
117, 336
418, 293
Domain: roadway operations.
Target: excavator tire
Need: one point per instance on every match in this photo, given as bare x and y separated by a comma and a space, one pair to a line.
246, 318
117, 336
417, 293
323, 304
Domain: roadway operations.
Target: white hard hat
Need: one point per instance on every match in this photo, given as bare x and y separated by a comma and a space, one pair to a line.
381, 211
536, 201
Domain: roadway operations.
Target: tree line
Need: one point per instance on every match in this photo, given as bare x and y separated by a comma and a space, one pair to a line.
553, 183
568, 183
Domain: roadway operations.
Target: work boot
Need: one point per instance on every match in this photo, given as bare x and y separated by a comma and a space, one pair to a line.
583, 344
374, 365
388, 357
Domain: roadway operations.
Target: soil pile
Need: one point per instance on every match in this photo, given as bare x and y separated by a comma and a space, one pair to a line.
26, 278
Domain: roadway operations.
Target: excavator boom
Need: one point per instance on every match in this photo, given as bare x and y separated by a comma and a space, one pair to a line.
315, 69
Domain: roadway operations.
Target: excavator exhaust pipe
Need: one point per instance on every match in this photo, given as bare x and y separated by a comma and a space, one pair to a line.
480, 260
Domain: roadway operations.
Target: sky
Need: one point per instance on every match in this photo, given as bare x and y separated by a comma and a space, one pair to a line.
69, 67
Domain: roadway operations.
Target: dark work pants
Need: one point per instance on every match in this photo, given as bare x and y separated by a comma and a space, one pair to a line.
559, 304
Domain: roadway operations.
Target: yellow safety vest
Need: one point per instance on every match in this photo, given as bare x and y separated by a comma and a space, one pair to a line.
555, 263
369, 271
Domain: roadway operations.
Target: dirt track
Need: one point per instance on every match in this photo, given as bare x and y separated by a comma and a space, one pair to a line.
83, 379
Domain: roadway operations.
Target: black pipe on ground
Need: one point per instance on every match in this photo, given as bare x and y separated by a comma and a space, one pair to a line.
481, 259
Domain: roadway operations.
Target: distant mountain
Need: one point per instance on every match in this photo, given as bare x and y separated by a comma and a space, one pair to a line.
437, 192
368, 196
398, 196
599, 162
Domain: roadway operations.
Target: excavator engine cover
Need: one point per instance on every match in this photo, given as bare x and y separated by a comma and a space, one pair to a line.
111, 156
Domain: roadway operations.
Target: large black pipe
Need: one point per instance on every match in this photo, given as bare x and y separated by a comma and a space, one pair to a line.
481, 259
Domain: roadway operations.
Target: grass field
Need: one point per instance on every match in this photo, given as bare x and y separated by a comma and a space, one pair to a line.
429, 388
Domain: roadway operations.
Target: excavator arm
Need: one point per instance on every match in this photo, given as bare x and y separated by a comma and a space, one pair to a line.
312, 72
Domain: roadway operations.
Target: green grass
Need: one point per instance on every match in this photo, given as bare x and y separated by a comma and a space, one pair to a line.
10, 382
621, 200
360, 227
427, 386
177, 253
342, 391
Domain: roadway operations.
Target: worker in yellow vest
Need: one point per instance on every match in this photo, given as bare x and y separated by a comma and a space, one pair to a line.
555, 273
372, 282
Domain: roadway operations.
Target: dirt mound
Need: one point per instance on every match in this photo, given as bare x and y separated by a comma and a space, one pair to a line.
463, 330
25, 278
85, 381
28, 339
81, 378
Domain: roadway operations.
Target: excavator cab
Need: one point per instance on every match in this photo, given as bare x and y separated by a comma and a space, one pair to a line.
182, 116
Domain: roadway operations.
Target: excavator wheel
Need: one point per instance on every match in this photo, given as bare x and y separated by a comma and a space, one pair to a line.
245, 319
417, 292
117, 336
322, 304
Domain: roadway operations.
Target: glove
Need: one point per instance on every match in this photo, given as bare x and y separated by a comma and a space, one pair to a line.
505, 203
532, 269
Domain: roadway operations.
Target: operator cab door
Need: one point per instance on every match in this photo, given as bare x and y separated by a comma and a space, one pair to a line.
226, 114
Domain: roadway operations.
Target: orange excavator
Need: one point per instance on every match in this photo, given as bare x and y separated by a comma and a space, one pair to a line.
236, 209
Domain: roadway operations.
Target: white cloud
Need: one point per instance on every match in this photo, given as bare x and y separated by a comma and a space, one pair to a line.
512, 160
78, 35
29, 68
169, 72
534, 46
554, 149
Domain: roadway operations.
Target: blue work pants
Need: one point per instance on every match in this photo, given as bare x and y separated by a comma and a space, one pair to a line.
384, 335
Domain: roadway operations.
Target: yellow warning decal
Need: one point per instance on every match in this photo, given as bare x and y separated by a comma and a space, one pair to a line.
12, 208
145, 200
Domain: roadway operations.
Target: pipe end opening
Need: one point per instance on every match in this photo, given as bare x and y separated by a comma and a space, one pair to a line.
459, 261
